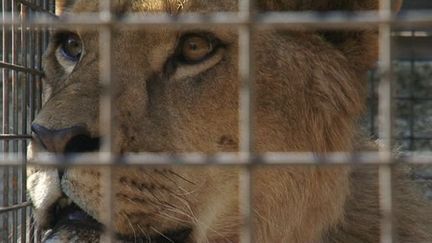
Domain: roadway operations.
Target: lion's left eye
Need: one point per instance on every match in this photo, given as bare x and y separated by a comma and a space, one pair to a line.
70, 47
195, 48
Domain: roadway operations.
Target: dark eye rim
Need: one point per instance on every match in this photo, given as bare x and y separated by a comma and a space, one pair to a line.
215, 42
60, 38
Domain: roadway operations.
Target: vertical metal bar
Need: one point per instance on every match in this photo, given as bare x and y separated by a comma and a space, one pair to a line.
32, 77
32, 233
386, 128
45, 6
15, 109
39, 47
5, 78
5, 128
246, 8
106, 110
412, 102
38, 43
24, 125
31, 82
371, 102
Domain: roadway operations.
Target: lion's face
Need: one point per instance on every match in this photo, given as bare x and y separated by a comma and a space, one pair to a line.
176, 90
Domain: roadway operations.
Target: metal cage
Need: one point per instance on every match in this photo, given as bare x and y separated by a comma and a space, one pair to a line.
21, 52
24, 37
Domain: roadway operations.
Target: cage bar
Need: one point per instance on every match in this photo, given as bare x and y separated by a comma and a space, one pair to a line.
21, 68
228, 159
246, 101
5, 115
277, 20
106, 116
386, 125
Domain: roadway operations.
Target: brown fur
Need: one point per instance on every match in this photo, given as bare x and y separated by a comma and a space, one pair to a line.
310, 89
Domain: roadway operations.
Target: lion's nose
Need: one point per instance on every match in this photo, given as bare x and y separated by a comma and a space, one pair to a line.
67, 140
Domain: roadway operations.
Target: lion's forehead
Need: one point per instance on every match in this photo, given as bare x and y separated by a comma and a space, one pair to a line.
156, 6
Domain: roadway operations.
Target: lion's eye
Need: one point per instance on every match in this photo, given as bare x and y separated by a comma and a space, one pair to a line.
196, 48
70, 46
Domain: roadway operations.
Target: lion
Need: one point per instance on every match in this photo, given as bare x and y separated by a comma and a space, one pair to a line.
175, 91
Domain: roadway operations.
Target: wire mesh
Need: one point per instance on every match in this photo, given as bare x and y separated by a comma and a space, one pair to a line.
20, 65
24, 39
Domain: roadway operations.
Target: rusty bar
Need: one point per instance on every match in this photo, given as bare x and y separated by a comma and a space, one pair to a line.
35, 7
5, 126
32, 94
38, 64
15, 207
31, 82
32, 233
14, 136
24, 118
32, 78
42, 39
16, 67
15, 111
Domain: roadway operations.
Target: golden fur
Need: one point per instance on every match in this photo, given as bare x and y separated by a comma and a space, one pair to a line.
310, 90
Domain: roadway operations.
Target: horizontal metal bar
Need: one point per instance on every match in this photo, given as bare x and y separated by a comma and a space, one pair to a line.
27, 136
14, 207
14, 136
316, 20
233, 159
20, 68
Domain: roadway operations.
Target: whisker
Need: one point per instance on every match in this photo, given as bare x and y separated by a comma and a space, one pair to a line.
147, 236
181, 177
172, 218
161, 234
130, 225
195, 219
185, 192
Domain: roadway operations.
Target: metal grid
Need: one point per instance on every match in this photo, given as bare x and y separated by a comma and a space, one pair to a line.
412, 97
246, 20
21, 52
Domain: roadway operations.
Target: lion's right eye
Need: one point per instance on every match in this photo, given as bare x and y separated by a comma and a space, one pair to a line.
70, 46
196, 48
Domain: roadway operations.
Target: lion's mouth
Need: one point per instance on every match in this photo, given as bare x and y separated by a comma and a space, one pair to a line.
72, 224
